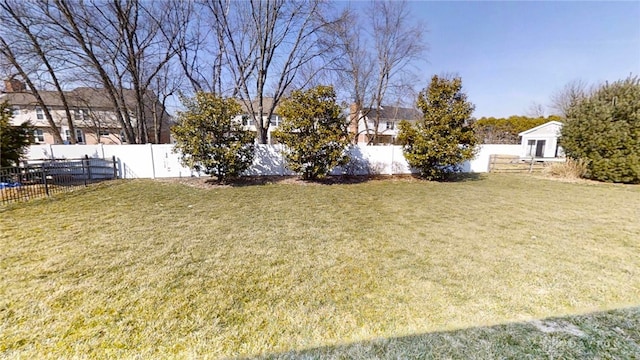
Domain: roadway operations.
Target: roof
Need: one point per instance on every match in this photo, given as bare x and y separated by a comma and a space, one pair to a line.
266, 103
395, 113
79, 97
558, 124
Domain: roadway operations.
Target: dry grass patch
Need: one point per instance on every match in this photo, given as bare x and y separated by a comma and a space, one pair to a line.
163, 270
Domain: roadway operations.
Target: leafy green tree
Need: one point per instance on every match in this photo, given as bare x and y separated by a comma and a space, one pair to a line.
603, 129
14, 140
505, 130
439, 144
314, 131
210, 139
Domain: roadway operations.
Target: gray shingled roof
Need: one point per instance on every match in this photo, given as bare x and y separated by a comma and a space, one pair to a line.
395, 113
79, 97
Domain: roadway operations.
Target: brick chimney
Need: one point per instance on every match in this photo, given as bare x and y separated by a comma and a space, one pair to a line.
14, 85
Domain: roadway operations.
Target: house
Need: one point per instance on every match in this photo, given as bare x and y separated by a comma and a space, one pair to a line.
248, 121
362, 123
92, 112
542, 141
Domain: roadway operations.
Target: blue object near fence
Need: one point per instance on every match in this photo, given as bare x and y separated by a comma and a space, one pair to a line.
5, 185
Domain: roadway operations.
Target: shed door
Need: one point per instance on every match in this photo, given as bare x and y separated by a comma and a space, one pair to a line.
540, 148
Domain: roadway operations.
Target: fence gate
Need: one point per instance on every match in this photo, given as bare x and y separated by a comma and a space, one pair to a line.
514, 164
36, 179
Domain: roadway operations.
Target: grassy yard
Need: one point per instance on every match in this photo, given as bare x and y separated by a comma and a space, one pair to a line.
377, 269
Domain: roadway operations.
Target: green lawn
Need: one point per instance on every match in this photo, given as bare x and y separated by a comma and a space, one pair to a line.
377, 269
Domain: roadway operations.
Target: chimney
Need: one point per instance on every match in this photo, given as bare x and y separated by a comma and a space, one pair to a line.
14, 85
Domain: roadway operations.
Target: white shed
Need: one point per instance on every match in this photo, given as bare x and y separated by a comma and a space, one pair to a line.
542, 141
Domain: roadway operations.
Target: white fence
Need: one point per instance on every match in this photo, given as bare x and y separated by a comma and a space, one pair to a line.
159, 161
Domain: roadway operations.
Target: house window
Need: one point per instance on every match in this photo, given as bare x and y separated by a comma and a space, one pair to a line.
79, 136
104, 132
38, 136
39, 113
15, 111
390, 125
80, 114
276, 120
247, 121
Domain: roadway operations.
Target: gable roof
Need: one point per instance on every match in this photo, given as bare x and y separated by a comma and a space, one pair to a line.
96, 98
266, 104
550, 123
394, 113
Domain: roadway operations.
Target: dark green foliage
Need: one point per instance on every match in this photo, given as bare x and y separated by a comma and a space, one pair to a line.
14, 140
439, 144
314, 131
603, 130
210, 139
505, 130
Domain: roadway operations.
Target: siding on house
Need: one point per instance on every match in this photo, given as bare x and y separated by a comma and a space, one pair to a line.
542, 141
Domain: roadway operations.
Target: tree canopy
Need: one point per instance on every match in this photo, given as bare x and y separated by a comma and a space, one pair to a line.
439, 144
603, 129
492, 130
14, 140
314, 131
210, 138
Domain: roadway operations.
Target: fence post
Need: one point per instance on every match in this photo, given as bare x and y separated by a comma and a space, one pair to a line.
86, 157
531, 165
44, 179
84, 176
115, 167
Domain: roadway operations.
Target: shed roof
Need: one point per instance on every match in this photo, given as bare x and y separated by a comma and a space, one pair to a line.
557, 124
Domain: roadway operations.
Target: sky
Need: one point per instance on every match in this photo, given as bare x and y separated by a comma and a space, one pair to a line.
513, 54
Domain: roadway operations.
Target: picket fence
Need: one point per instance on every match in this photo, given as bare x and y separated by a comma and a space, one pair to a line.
160, 161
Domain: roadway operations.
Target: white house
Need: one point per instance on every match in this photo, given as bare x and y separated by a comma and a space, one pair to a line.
248, 121
363, 122
542, 141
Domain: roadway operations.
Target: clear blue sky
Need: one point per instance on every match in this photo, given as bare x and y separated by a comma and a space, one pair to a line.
512, 54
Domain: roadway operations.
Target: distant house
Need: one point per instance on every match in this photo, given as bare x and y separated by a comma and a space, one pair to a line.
92, 112
362, 123
542, 141
248, 121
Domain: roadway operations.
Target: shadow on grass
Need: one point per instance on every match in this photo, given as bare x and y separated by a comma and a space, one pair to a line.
611, 335
335, 179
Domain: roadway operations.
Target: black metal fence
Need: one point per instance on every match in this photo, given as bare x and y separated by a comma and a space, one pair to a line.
36, 179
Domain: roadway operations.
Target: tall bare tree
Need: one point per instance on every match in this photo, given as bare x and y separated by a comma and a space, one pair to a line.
267, 43
122, 45
380, 50
569, 95
25, 37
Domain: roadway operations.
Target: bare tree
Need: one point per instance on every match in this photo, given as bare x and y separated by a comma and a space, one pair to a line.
569, 95
122, 45
29, 38
535, 110
373, 72
266, 44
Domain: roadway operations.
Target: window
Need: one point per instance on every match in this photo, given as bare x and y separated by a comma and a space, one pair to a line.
39, 113
247, 121
531, 146
391, 125
38, 136
15, 111
535, 148
276, 120
104, 132
79, 136
80, 114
